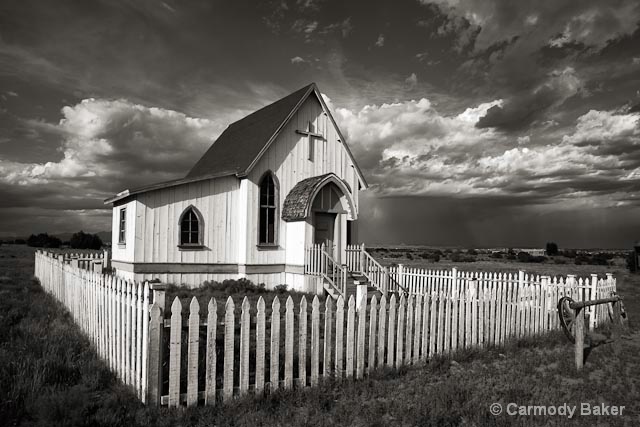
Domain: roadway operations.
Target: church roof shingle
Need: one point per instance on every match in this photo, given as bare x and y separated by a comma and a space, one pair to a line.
240, 144
295, 204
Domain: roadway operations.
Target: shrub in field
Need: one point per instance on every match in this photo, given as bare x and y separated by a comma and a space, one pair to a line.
527, 257
472, 252
630, 261
43, 240
281, 289
496, 255
433, 257
552, 249
84, 240
457, 257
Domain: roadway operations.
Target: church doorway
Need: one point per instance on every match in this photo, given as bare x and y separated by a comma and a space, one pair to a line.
325, 230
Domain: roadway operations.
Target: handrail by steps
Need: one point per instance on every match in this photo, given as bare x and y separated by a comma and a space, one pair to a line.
338, 274
378, 275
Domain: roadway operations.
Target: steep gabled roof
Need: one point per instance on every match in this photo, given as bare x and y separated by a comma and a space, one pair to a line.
242, 144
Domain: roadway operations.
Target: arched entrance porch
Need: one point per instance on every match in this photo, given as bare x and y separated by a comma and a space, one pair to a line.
326, 206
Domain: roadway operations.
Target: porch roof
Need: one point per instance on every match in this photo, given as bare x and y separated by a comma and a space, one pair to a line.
297, 203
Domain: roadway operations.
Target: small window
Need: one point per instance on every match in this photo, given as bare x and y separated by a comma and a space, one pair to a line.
122, 227
190, 228
268, 208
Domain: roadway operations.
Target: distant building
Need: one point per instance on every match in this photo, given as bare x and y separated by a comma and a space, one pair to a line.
532, 252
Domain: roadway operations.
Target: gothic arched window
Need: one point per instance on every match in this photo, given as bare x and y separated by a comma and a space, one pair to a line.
190, 227
268, 221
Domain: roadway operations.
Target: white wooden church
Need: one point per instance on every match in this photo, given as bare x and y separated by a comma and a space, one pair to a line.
274, 183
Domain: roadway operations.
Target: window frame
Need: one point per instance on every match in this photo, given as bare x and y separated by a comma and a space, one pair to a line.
122, 226
200, 221
276, 211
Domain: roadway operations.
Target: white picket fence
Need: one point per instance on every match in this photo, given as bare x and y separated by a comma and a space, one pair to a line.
260, 351
113, 313
85, 259
332, 343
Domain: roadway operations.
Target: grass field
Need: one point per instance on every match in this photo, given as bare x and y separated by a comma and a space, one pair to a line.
50, 376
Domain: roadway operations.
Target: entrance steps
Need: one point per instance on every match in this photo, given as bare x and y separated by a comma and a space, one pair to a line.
352, 277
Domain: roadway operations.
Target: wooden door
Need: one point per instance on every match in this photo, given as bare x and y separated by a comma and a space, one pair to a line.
325, 230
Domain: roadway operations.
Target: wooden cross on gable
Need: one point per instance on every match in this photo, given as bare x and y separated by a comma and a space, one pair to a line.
310, 133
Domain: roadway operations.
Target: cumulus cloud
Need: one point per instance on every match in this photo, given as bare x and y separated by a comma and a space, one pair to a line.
380, 41
107, 143
410, 149
608, 133
384, 134
297, 60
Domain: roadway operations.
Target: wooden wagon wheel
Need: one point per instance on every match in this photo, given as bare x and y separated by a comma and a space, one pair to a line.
624, 319
567, 317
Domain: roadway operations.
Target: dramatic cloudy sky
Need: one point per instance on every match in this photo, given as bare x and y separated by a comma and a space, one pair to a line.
476, 122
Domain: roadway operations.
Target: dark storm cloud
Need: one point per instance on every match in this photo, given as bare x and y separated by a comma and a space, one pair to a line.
484, 102
519, 47
520, 111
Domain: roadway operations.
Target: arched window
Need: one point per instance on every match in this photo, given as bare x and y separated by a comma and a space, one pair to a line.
268, 227
190, 228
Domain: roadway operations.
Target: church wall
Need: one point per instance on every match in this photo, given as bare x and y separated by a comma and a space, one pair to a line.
119, 251
288, 158
158, 216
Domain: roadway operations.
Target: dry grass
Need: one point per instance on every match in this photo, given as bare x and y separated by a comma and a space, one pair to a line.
49, 376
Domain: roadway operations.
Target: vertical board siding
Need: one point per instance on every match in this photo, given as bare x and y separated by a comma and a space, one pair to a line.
158, 219
288, 159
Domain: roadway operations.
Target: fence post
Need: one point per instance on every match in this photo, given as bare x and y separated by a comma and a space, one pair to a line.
579, 334
345, 268
159, 290
363, 259
544, 282
154, 356
592, 295
454, 281
400, 275
361, 292
385, 280
154, 345
521, 278
106, 258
